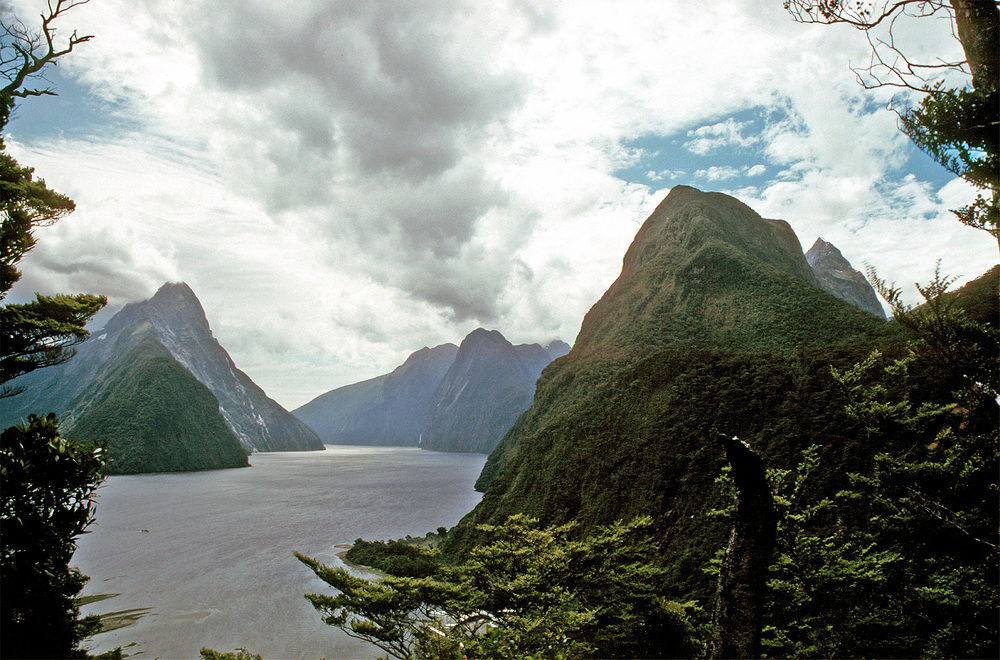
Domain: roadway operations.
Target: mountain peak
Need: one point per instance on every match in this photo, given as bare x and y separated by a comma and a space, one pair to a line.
823, 249
837, 277
482, 336
175, 291
176, 306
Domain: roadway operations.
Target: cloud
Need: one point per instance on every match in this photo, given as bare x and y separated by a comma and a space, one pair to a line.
729, 133
343, 183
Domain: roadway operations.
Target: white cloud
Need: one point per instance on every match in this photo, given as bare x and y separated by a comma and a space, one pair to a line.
729, 133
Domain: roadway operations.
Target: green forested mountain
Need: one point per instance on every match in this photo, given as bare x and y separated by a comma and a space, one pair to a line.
158, 386
155, 416
716, 323
174, 319
602, 529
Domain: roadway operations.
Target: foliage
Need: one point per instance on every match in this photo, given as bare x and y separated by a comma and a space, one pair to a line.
239, 654
47, 480
42, 332
527, 591
609, 446
403, 557
25, 52
959, 127
26, 203
901, 562
47, 483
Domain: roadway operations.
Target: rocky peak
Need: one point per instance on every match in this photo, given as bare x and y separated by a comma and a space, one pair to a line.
483, 337
838, 278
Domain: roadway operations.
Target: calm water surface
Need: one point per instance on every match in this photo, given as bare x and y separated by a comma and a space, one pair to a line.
210, 553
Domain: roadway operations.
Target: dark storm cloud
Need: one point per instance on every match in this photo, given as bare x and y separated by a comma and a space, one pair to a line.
406, 84
439, 216
376, 111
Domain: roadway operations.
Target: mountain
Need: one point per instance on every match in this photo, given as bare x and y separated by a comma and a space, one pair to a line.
401, 408
717, 323
167, 335
154, 415
557, 348
390, 410
486, 389
838, 278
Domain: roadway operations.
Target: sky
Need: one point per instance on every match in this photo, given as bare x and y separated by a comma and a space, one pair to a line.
343, 183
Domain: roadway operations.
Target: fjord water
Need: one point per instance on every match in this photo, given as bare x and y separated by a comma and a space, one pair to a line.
210, 553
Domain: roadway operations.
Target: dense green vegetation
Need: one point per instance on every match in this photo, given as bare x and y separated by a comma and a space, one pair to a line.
46, 480
959, 127
715, 323
156, 417
47, 483
400, 557
887, 537
526, 592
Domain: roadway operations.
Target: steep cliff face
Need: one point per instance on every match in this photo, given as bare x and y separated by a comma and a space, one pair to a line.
838, 278
489, 385
716, 322
258, 421
172, 325
390, 410
444, 398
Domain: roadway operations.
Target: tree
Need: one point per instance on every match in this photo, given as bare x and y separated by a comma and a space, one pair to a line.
25, 52
957, 127
48, 483
902, 560
40, 333
527, 592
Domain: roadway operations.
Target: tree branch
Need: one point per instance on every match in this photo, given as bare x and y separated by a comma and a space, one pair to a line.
29, 59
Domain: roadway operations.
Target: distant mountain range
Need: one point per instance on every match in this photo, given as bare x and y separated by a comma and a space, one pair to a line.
390, 410
445, 398
162, 391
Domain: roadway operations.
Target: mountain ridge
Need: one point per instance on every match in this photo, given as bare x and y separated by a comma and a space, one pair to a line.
837, 277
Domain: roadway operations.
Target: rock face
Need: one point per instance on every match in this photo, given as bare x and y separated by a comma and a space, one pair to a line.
390, 410
172, 327
484, 392
437, 397
838, 278
717, 322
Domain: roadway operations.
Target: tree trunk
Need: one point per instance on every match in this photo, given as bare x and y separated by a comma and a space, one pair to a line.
739, 601
978, 23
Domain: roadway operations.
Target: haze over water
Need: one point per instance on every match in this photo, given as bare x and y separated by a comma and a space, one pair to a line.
216, 567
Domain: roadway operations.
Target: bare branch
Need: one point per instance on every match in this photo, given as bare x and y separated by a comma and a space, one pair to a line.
888, 66
25, 52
